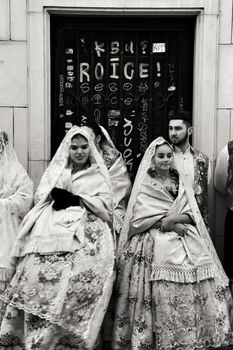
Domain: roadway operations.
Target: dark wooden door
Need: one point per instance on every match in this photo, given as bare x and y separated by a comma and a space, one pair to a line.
127, 73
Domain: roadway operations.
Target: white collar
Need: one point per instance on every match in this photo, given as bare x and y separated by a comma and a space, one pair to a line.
178, 150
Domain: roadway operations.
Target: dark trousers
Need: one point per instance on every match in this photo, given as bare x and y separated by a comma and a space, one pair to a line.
228, 244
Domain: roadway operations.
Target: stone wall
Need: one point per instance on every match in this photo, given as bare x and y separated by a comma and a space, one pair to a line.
13, 75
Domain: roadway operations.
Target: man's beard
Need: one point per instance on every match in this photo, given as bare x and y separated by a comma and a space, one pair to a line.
182, 141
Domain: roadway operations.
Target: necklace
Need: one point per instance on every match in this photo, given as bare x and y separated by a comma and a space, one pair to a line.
163, 177
166, 183
75, 169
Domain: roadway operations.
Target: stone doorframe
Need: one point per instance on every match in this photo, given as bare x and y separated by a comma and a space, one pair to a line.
205, 63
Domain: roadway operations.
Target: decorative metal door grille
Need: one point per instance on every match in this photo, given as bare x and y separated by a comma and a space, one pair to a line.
128, 74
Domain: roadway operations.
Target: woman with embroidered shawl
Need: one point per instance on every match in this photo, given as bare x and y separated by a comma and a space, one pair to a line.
121, 188
119, 177
16, 196
172, 290
63, 282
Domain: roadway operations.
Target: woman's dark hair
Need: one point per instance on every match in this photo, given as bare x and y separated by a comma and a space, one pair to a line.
77, 136
3, 140
96, 129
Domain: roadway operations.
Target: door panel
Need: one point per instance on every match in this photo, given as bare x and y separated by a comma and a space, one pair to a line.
128, 74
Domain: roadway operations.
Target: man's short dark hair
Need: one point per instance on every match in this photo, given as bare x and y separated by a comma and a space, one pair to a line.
183, 115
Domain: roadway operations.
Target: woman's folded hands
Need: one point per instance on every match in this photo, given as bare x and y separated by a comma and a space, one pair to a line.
169, 223
181, 229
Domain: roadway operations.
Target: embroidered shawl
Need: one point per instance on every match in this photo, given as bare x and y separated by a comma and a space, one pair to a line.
92, 185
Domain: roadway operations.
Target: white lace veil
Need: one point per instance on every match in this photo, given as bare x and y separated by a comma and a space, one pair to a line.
145, 164
7, 152
9, 166
16, 196
61, 159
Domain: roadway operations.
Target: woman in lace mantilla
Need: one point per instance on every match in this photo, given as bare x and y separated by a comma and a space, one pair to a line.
59, 294
121, 188
119, 177
16, 196
172, 291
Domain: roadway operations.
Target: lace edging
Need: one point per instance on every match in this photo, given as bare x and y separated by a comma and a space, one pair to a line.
182, 275
57, 319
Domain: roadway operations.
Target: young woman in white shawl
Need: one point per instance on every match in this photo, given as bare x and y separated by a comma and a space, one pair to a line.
119, 177
65, 249
172, 290
16, 196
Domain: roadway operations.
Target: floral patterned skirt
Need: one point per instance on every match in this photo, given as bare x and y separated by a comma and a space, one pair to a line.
58, 301
163, 315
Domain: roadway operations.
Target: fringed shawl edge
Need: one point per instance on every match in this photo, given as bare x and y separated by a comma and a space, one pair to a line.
183, 275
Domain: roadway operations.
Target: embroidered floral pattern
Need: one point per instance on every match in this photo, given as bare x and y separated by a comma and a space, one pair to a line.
201, 165
71, 343
11, 342
110, 155
78, 288
164, 315
172, 185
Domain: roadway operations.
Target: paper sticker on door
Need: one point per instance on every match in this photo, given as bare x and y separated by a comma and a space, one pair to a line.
158, 47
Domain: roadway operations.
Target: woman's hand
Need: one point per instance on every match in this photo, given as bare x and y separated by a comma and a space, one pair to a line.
168, 223
157, 225
180, 229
